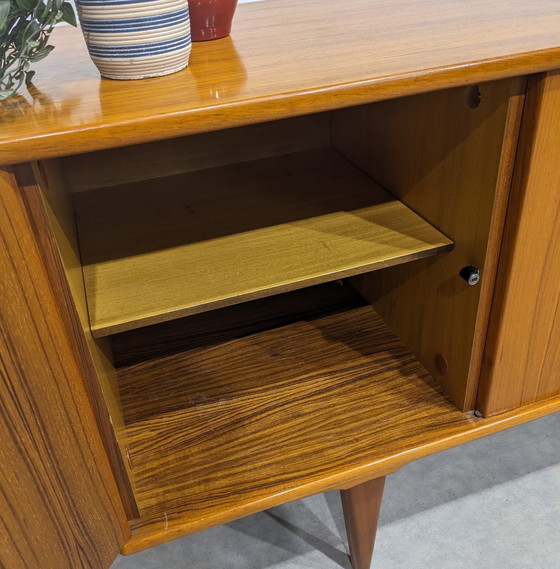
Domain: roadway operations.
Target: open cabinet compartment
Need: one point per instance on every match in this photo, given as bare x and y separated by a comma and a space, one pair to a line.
255, 418
225, 407
166, 248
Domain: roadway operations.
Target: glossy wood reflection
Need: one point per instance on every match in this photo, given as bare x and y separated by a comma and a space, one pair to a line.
319, 55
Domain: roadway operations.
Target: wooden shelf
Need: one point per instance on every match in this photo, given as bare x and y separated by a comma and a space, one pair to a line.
162, 249
226, 430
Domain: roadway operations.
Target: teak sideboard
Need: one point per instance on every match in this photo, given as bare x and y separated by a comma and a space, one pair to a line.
329, 247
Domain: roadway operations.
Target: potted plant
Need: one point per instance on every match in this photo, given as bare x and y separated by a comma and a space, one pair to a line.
25, 27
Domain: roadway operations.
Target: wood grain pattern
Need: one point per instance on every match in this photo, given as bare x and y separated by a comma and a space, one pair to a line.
322, 404
59, 503
522, 358
361, 505
311, 63
50, 208
196, 152
156, 251
315, 402
448, 163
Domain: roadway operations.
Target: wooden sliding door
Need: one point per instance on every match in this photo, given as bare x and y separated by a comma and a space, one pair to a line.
522, 357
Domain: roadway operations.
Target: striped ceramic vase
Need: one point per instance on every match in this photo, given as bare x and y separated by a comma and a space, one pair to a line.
135, 39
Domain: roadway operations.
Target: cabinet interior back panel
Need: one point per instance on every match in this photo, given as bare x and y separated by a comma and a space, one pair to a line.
162, 249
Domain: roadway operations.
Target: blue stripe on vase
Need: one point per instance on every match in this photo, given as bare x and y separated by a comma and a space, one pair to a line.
141, 50
136, 24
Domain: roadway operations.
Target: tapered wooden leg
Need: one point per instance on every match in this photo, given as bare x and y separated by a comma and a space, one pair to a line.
361, 506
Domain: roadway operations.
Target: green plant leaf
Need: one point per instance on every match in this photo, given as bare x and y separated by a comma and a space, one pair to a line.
31, 31
41, 54
68, 14
6, 94
4, 12
28, 5
25, 26
41, 11
45, 9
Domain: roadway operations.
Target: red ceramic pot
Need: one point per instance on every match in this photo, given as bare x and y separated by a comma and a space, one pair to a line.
211, 19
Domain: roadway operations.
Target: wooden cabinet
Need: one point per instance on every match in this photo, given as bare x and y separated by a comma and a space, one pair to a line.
240, 285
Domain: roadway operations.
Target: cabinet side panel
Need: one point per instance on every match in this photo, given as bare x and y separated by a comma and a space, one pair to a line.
59, 504
522, 357
51, 212
442, 154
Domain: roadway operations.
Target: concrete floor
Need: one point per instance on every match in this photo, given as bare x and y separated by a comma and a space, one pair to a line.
491, 504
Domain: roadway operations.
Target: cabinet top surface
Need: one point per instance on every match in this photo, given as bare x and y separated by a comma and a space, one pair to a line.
285, 57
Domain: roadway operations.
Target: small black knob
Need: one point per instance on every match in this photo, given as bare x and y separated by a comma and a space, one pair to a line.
470, 274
